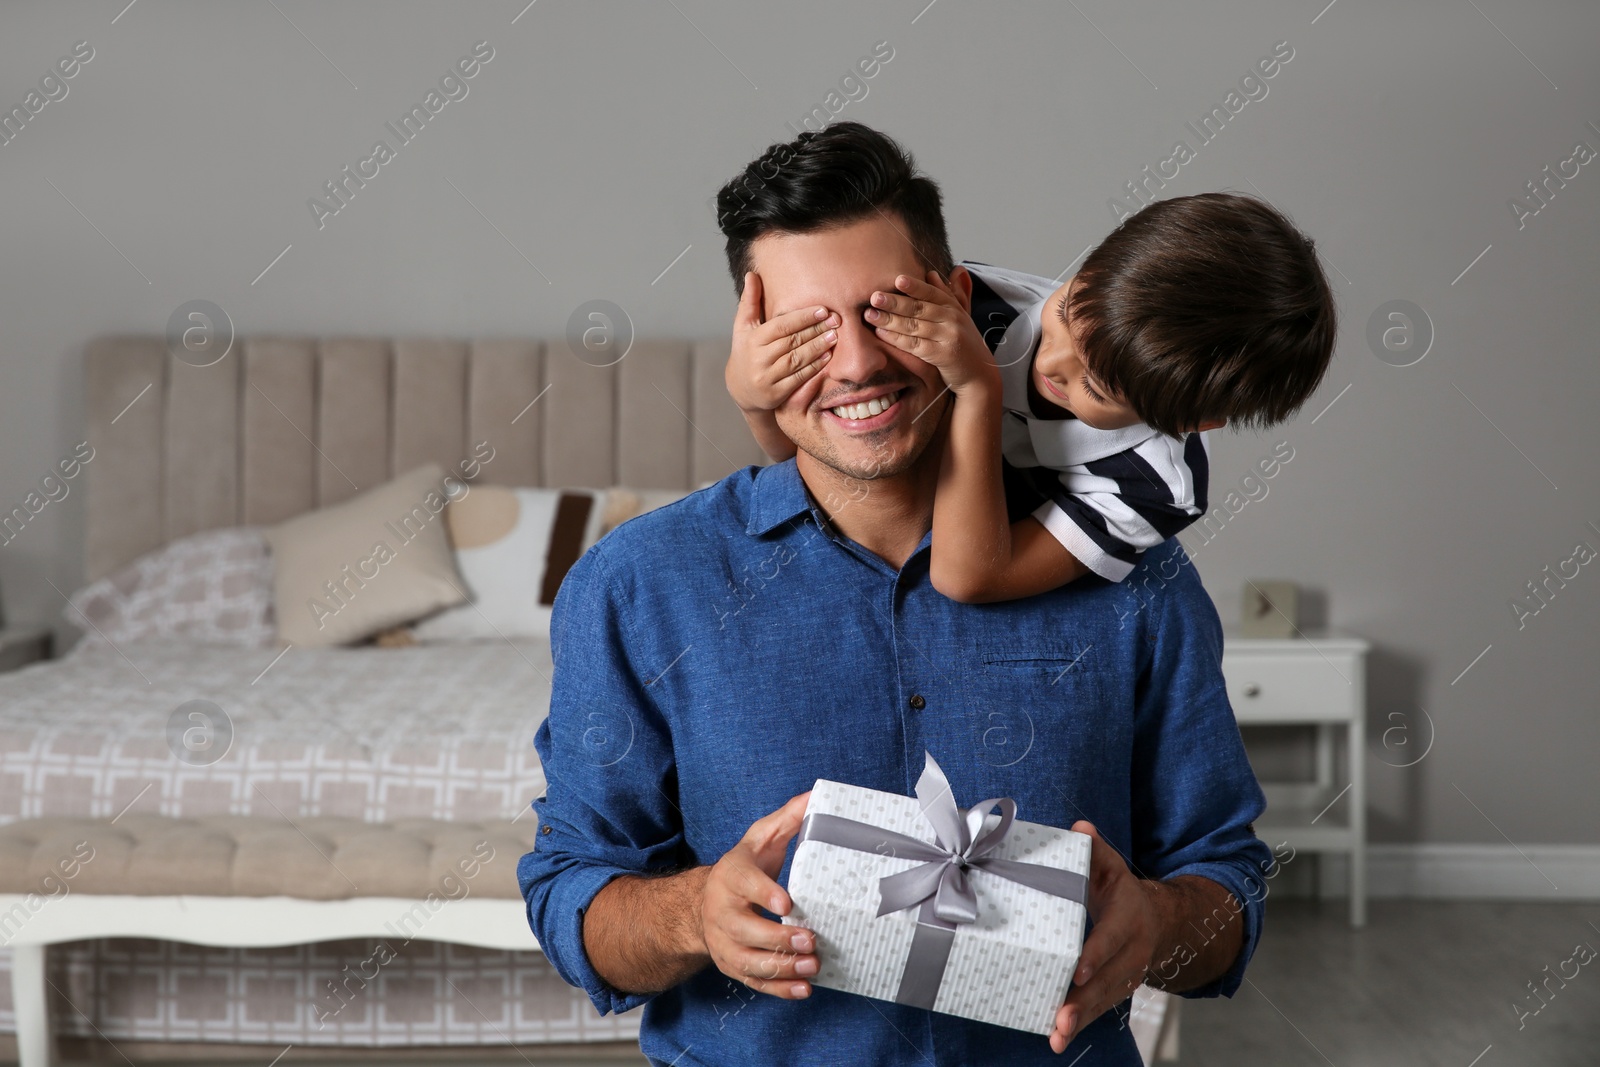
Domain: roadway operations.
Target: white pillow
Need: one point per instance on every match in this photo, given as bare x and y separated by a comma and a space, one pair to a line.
213, 587
513, 547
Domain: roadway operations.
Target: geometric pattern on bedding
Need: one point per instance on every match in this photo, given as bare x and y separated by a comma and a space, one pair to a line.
429, 994
434, 732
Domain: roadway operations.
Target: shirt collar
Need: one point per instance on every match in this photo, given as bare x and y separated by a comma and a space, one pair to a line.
777, 496
1014, 355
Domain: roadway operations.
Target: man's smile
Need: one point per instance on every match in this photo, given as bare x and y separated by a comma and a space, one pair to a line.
868, 411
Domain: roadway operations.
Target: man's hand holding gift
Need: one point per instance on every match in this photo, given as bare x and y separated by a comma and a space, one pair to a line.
1119, 950
1135, 927
767, 956
1136, 936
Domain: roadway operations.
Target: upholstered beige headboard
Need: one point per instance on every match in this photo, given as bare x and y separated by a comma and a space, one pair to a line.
285, 425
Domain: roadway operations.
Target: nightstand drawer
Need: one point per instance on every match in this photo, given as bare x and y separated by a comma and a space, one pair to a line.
1292, 688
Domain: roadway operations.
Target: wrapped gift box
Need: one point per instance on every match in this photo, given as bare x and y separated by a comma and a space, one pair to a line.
960, 935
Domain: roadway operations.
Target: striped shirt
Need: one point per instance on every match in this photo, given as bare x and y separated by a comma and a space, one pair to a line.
1116, 492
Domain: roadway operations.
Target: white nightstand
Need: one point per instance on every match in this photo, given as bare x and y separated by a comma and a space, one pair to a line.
1321, 681
22, 645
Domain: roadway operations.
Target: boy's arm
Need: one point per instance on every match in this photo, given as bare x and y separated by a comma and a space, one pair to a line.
773, 441
978, 555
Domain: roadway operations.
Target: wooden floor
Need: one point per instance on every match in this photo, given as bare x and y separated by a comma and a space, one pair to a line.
1426, 984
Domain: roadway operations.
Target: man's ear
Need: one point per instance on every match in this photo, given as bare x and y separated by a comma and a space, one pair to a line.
961, 283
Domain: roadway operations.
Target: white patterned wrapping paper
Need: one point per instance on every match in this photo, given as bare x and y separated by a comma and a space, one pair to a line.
432, 732
1012, 967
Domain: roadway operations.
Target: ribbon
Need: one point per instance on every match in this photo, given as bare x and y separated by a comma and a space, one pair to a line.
940, 884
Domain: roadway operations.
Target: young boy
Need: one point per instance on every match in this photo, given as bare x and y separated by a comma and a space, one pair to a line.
1196, 312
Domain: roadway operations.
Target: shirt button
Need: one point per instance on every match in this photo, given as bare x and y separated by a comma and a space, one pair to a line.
544, 829
917, 703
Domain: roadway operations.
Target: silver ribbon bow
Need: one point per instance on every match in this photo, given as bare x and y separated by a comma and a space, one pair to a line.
940, 884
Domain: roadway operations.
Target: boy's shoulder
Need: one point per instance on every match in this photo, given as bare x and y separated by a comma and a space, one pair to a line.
1000, 298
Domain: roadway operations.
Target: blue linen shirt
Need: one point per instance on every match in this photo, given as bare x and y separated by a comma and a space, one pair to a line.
713, 658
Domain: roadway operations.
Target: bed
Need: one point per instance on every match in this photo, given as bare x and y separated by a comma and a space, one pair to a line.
278, 428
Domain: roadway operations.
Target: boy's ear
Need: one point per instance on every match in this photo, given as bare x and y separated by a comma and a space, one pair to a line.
961, 283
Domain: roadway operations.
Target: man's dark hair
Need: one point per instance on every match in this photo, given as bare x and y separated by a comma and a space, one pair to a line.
835, 176
1206, 307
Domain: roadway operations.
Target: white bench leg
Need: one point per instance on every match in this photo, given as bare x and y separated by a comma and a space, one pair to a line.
28, 999
1167, 1051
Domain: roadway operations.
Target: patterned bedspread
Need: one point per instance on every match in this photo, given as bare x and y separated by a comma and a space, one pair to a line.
437, 731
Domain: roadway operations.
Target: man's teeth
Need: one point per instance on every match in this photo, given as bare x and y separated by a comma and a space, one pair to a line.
867, 408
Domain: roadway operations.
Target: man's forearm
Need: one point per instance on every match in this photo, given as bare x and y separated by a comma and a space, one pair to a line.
1204, 931
643, 935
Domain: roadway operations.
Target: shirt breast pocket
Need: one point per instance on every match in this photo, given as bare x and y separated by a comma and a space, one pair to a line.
1038, 699
1058, 661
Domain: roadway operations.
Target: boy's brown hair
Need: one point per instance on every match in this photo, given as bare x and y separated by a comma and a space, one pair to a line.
1206, 307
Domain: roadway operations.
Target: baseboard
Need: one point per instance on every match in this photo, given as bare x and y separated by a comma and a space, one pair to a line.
1456, 872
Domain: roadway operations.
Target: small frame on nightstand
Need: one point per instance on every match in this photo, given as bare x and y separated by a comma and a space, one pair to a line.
22, 645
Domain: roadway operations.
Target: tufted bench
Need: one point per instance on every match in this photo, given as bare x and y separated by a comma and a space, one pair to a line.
246, 881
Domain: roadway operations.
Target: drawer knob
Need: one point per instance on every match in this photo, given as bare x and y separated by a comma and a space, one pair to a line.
1251, 689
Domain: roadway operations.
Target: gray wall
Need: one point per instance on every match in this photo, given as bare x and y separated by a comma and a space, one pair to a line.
1417, 506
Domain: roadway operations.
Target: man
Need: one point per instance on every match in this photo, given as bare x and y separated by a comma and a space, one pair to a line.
715, 657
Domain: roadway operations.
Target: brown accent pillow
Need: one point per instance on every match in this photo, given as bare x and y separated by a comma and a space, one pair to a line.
513, 547
566, 542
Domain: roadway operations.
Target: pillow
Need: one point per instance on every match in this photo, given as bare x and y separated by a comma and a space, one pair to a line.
213, 587
624, 504
513, 547
349, 571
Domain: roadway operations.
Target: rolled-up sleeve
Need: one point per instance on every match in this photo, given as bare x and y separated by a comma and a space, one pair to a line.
1195, 797
608, 808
